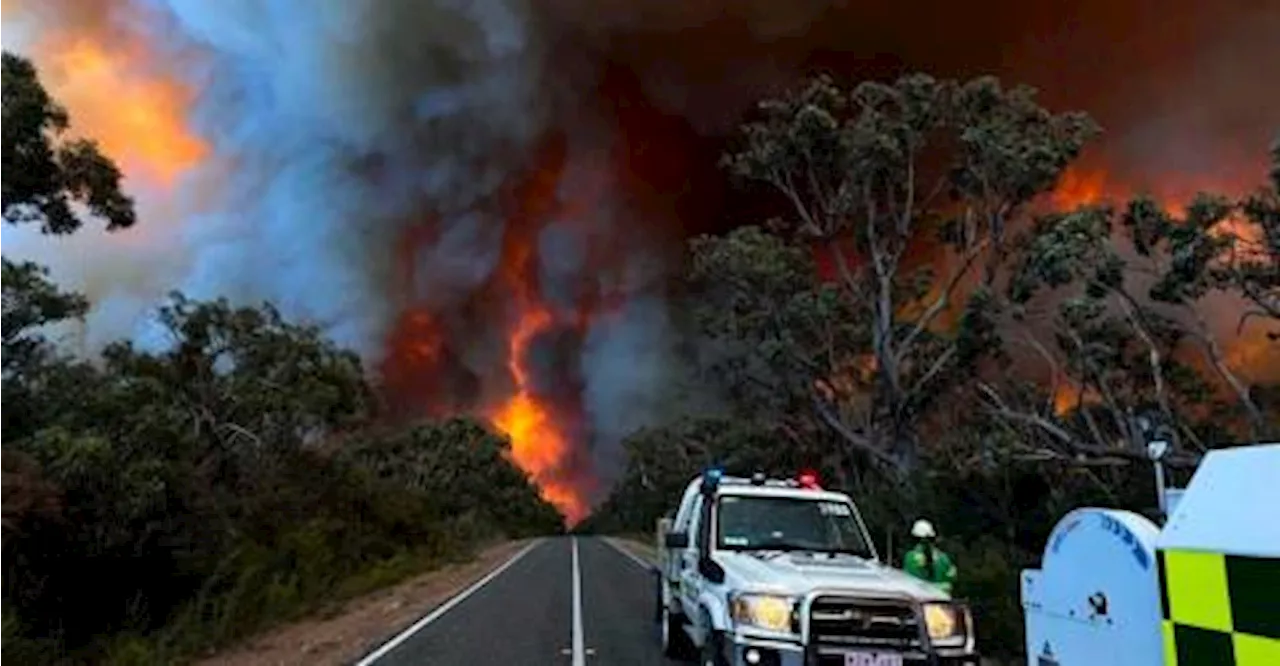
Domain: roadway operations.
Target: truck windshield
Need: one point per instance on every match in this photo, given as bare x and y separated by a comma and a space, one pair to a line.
786, 523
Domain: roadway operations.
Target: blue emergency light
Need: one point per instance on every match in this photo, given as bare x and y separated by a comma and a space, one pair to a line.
710, 479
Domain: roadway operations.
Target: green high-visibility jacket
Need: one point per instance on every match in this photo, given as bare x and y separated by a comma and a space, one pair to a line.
943, 573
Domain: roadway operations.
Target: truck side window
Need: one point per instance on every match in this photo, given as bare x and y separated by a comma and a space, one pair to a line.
695, 524
684, 514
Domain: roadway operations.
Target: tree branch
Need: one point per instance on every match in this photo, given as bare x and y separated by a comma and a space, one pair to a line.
937, 366
1104, 390
1213, 353
940, 303
1072, 444
1133, 313
1055, 373
860, 442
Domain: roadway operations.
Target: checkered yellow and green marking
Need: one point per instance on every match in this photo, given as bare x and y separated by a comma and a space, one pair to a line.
1219, 609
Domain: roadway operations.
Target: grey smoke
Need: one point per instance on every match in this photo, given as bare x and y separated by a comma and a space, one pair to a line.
342, 123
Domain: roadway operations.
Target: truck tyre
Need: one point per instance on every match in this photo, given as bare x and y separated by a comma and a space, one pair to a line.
658, 602
675, 642
713, 647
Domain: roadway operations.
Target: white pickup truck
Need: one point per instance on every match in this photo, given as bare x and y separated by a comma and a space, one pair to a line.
779, 572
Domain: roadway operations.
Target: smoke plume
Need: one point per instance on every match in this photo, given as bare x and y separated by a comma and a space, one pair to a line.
482, 196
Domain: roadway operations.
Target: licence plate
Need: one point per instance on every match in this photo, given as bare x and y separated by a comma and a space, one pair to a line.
872, 659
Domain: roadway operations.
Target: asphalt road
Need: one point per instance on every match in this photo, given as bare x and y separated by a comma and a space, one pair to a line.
569, 600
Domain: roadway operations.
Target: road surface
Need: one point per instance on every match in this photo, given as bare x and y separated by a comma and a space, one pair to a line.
575, 601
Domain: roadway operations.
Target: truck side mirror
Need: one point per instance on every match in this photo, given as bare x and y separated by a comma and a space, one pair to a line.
710, 570
676, 540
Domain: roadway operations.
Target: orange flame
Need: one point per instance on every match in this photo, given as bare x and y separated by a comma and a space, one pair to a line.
137, 116
539, 443
1078, 188
1069, 397
425, 372
538, 446
1086, 187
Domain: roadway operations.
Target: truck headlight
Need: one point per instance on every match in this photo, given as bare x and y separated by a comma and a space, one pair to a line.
766, 611
948, 624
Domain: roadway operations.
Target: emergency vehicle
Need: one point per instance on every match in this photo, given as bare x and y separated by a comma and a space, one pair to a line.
781, 572
1116, 589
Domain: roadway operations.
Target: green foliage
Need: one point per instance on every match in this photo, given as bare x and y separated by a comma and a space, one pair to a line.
1123, 295
208, 489
30, 302
836, 154
770, 328
45, 173
990, 583
1251, 267
162, 501
661, 461
885, 169
465, 467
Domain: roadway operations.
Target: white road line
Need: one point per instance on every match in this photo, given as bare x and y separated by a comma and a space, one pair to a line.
445, 607
630, 555
579, 652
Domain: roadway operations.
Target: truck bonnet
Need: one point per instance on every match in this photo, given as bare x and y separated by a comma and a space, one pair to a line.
799, 572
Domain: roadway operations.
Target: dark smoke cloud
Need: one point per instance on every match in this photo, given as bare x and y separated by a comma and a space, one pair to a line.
340, 125
344, 123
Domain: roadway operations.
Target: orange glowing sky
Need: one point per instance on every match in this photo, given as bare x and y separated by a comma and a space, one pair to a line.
1080, 186
138, 118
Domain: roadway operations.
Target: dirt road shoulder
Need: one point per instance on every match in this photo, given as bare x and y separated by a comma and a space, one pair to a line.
633, 545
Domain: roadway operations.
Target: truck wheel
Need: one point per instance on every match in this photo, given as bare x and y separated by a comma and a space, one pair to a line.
675, 642
713, 648
658, 602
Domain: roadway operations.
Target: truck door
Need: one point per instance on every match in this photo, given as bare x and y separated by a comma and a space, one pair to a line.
690, 578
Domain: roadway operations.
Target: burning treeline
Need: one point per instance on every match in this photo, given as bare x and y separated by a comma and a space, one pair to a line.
481, 199
521, 315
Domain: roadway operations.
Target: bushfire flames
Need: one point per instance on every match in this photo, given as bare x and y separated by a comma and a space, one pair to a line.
538, 445
519, 390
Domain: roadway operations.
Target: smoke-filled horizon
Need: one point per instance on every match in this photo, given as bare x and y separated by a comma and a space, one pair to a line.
482, 197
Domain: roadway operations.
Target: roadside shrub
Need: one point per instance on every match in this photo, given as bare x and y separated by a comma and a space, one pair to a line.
237, 479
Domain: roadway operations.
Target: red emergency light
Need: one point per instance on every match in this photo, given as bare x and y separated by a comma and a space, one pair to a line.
808, 479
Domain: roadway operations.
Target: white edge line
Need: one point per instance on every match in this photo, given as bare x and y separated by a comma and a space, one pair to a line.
444, 608
630, 555
579, 651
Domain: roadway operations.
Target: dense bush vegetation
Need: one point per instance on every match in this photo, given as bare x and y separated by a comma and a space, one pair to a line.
227, 482
160, 502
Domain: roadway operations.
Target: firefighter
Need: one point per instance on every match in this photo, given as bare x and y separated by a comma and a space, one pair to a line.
926, 561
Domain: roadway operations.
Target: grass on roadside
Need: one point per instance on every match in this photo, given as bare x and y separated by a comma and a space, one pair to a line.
263, 597
639, 544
